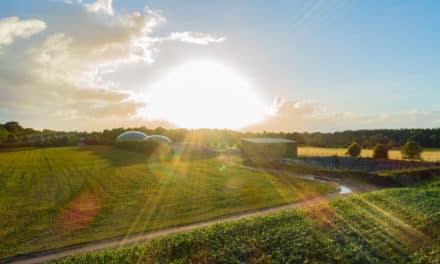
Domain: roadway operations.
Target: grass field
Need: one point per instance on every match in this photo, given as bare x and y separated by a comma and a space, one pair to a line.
427, 155
399, 225
60, 196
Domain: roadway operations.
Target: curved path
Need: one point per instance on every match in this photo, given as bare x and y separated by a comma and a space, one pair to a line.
52, 254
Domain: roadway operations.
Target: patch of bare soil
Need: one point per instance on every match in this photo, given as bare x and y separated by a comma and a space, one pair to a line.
80, 212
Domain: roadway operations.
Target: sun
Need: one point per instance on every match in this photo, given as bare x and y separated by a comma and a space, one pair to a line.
205, 94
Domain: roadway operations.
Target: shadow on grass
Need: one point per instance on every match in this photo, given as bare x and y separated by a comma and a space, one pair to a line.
119, 157
116, 156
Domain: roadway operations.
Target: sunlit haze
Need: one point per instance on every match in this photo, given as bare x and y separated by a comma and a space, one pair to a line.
205, 94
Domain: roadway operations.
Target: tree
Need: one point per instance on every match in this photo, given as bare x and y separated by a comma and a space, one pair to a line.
411, 150
12, 138
13, 127
380, 151
3, 134
354, 150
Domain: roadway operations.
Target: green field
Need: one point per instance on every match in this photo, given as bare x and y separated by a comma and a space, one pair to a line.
55, 197
400, 225
427, 155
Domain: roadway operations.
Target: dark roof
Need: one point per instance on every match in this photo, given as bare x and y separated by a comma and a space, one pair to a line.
268, 140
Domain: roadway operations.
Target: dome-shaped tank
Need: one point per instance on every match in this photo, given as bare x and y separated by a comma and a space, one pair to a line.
132, 136
160, 138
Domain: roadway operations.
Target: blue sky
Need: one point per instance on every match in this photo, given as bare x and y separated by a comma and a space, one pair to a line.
358, 59
337, 52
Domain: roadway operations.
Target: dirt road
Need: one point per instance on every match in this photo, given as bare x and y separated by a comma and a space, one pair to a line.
52, 254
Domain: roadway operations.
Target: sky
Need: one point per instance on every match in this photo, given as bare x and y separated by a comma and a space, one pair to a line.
249, 65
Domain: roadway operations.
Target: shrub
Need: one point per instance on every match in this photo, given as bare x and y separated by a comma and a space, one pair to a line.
412, 150
354, 150
380, 151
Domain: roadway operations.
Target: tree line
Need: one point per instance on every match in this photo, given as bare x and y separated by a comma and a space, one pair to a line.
13, 134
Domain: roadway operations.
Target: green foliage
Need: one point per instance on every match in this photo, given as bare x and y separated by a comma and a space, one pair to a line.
3, 134
354, 150
390, 226
380, 151
427, 255
412, 150
13, 127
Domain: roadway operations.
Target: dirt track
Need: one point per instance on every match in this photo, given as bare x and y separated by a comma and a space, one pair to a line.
52, 254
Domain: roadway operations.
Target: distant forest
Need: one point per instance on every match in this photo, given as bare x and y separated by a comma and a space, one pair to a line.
12, 134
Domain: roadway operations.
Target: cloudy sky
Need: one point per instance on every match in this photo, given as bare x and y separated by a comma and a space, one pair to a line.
253, 65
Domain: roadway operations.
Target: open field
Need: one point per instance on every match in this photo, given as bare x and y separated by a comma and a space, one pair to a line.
400, 225
427, 155
55, 197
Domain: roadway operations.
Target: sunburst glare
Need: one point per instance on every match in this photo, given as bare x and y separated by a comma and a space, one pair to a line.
205, 94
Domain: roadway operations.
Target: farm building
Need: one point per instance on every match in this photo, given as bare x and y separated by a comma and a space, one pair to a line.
268, 149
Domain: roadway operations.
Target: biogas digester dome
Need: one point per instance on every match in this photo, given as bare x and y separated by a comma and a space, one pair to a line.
132, 136
159, 138
137, 140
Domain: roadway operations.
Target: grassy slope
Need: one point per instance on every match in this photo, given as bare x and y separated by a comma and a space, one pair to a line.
389, 226
427, 155
110, 192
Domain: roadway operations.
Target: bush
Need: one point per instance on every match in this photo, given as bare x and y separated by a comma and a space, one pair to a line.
354, 150
412, 150
380, 151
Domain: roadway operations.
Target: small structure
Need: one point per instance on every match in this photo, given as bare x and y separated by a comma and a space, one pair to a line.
132, 136
139, 136
139, 141
268, 149
159, 138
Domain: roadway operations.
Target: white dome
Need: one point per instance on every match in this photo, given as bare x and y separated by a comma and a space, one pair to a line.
132, 136
159, 138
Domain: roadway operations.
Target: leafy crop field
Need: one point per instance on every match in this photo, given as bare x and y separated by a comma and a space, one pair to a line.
427, 155
55, 197
399, 225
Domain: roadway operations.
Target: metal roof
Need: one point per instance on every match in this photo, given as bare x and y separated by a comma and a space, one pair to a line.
268, 140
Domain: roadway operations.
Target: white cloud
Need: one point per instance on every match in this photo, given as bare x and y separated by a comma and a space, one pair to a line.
12, 28
195, 38
100, 5
290, 115
62, 77
82, 59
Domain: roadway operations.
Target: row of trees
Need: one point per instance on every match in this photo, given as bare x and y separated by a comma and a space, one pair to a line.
411, 150
14, 133
428, 138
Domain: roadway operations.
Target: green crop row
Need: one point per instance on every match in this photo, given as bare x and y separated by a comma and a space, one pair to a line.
400, 225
